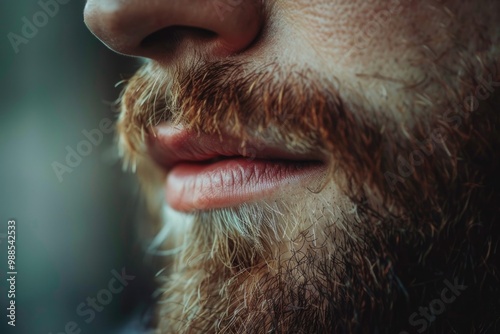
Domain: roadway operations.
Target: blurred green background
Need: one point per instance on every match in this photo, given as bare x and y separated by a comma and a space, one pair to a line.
70, 234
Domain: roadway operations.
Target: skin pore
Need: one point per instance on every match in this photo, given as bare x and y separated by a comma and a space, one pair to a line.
400, 100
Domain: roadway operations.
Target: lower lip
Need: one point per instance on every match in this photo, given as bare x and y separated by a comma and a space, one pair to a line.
231, 182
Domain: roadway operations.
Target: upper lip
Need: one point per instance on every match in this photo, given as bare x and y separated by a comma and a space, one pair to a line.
170, 145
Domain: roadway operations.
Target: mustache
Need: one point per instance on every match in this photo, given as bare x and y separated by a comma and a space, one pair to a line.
286, 107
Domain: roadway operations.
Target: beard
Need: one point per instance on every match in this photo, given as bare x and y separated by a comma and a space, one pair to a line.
405, 218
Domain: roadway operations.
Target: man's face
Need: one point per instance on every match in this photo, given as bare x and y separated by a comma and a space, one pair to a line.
324, 165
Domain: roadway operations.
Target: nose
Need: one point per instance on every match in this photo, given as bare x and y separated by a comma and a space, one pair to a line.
170, 29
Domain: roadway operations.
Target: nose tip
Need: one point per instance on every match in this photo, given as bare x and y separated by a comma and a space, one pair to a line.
160, 29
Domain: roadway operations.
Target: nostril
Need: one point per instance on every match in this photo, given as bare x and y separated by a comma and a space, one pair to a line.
183, 29
169, 39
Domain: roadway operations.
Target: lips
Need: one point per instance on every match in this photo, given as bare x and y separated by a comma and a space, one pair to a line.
211, 172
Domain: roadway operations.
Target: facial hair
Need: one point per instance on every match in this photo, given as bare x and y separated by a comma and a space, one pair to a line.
407, 207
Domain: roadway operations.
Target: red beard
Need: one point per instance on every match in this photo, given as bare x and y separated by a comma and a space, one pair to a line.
425, 191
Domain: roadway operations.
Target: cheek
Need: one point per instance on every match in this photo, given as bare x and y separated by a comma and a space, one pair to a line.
375, 47
351, 37
372, 51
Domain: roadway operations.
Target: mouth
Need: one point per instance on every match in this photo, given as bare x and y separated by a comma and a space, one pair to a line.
216, 171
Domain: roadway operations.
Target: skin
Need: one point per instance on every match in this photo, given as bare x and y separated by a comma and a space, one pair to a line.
399, 98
